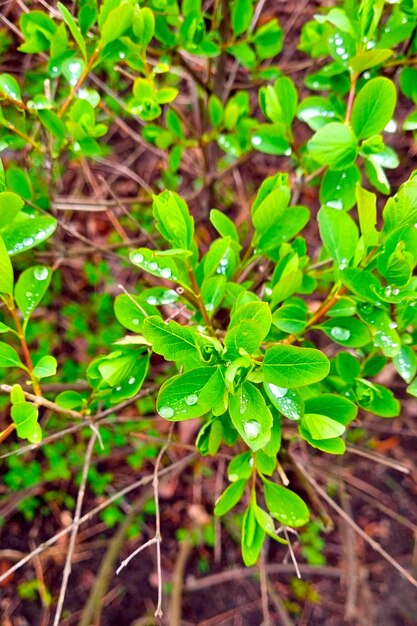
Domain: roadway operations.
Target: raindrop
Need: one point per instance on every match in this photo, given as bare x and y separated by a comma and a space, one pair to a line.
278, 392
137, 258
339, 333
40, 273
135, 321
166, 411
252, 429
166, 272
27, 241
131, 380
191, 399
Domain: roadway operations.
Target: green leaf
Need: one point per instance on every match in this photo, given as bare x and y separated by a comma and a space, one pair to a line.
337, 189
334, 145
10, 206
31, 286
339, 234
331, 446
348, 368
244, 338
250, 416
241, 16
212, 292
322, 427
215, 111
168, 264
222, 258
367, 216
21, 235
334, 406
275, 222
173, 219
258, 312
289, 402
271, 139
253, 537
131, 311
371, 58
116, 23
17, 394
285, 505
188, 395
10, 87
373, 107
69, 399
279, 102
9, 356
224, 225
241, 466
173, 341
75, 31
25, 418
346, 331
405, 362
290, 366
377, 399
46, 366
291, 317
316, 112
6, 271
401, 209
230, 497
268, 39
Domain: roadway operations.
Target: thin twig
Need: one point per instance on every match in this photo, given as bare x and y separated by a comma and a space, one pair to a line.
264, 589
74, 529
374, 544
146, 480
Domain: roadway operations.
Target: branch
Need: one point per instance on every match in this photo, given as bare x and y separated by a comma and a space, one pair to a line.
74, 529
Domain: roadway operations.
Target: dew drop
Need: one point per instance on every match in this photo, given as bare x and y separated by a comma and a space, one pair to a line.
278, 392
137, 258
131, 380
252, 429
166, 272
339, 333
153, 266
40, 273
166, 411
135, 321
27, 241
191, 399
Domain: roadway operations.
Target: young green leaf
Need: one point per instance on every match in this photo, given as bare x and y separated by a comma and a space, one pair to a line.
322, 427
285, 505
173, 341
23, 234
6, 271
373, 107
46, 366
230, 497
290, 366
31, 287
10, 206
25, 417
75, 31
333, 145
184, 396
9, 356
250, 416
253, 536
339, 234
